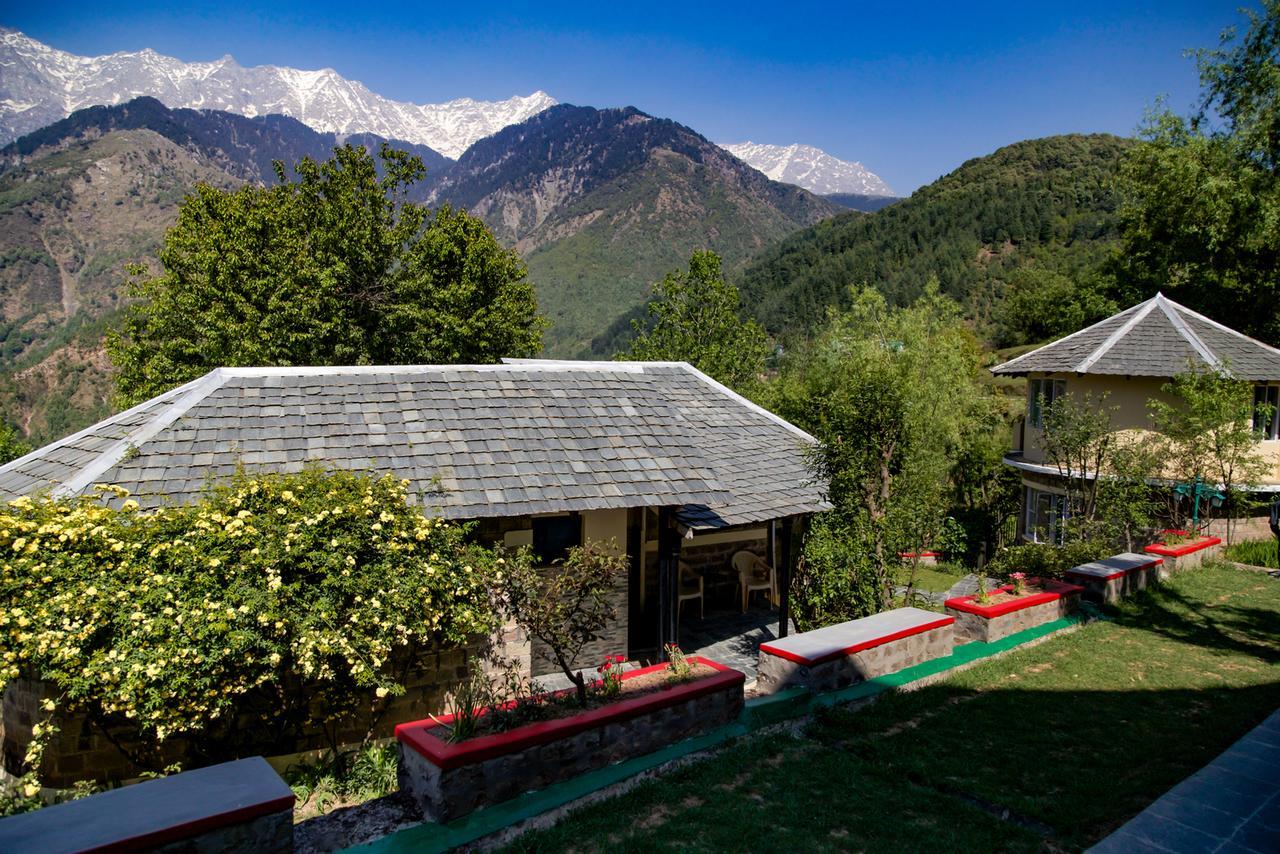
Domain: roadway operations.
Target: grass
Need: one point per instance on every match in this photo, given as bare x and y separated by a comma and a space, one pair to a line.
351, 778
1256, 552
1052, 746
932, 579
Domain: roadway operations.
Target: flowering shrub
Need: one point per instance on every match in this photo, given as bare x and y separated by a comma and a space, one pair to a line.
611, 675
272, 607
1019, 580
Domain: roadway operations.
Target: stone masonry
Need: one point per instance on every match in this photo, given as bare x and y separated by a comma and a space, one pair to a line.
777, 672
1193, 560
446, 794
1111, 579
976, 627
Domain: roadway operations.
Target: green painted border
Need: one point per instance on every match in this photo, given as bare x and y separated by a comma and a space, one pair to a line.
758, 712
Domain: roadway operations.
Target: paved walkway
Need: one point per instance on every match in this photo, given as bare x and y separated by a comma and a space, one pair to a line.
1231, 805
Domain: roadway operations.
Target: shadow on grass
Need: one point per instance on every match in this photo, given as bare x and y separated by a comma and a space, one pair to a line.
1227, 627
1051, 747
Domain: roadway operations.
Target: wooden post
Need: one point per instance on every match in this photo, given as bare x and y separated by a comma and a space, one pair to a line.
784, 575
668, 578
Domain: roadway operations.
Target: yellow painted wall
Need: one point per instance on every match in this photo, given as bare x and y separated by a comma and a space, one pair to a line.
1129, 398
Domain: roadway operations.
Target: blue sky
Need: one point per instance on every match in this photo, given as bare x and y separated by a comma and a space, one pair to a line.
910, 89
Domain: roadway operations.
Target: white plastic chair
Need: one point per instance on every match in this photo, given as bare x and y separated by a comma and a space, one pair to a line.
754, 574
691, 587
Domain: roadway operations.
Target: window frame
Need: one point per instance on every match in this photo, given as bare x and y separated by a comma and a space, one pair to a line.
1057, 512
540, 526
1268, 394
1041, 393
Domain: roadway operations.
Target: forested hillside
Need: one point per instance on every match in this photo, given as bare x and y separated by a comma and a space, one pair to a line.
1046, 204
72, 219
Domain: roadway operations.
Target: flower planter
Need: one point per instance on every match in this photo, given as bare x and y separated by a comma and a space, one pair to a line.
986, 623
1111, 579
923, 558
1184, 555
450, 780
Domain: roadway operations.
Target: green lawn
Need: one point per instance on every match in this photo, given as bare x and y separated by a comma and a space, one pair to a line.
931, 579
1051, 747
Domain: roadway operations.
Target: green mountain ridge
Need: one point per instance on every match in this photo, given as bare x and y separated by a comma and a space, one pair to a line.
1044, 203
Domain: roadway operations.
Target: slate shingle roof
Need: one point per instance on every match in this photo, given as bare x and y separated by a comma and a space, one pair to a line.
476, 441
1156, 338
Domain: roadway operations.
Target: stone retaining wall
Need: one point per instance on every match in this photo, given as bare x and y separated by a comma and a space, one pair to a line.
1175, 560
448, 781
1111, 579
776, 672
977, 627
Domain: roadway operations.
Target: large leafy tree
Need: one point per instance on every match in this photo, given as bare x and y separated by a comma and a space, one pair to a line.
888, 393
335, 267
1202, 193
695, 317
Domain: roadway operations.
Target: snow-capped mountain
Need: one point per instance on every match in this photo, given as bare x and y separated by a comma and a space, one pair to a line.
810, 168
40, 85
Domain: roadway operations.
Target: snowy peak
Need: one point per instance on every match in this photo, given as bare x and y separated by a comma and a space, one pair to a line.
41, 85
810, 168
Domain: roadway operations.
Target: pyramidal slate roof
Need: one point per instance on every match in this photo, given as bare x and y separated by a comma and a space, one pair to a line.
1156, 338
523, 437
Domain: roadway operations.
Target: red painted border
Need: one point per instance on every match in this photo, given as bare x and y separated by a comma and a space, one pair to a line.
439, 752
1056, 591
919, 554
189, 829
1183, 550
1071, 573
858, 647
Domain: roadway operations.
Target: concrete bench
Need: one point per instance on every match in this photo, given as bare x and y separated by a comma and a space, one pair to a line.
835, 656
1113, 578
236, 806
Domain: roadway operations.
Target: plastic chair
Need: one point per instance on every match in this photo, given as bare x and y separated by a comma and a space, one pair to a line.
691, 587
754, 574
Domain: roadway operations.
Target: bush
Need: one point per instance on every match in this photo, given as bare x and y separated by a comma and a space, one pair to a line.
834, 580
277, 606
1256, 552
1043, 560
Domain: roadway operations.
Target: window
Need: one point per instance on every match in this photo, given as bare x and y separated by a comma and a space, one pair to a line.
1041, 393
1045, 512
1266, 411
553, 536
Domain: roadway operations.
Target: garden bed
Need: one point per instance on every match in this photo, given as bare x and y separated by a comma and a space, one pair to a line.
1181, 550
1006, 612
448, 780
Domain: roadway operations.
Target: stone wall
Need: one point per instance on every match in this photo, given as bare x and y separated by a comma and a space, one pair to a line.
445, 793
976, 627
776, 672
1192, 560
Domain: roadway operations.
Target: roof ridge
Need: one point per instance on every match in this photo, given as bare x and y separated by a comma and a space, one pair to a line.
1012, 363
195, 391
97, 425
1144, 309
1221, 327
1169, 307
